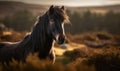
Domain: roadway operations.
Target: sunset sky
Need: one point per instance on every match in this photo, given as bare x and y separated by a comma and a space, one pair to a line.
71, 2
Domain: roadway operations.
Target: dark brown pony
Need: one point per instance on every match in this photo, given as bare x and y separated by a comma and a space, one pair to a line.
48, 28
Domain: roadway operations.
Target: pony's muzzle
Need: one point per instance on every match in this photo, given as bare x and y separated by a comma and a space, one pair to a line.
61, 39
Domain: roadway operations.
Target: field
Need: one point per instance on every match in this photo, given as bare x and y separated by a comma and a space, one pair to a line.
84, 52
93, 37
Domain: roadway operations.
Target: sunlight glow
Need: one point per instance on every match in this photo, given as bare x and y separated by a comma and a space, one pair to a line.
86, 2
71, 2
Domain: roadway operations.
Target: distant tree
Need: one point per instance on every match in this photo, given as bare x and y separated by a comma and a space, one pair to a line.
76, 20
68, 27
2, 27
20, 21
7, 21
80, 21
90, 22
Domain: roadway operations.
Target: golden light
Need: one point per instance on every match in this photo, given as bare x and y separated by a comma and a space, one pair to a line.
72, 2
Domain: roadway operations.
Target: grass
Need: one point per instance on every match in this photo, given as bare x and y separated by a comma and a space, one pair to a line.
34, 64
76, 53
12, 36
105, 58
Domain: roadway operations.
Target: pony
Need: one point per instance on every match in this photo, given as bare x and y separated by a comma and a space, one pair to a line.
49, 28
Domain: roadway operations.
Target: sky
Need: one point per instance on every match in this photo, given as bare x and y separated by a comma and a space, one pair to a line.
71, 2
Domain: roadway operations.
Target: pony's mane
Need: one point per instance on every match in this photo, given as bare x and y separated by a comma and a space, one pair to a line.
36, 38
39, 31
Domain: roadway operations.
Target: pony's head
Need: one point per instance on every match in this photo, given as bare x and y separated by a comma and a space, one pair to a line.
57, 18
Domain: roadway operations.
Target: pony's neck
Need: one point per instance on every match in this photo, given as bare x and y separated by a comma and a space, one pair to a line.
41, 41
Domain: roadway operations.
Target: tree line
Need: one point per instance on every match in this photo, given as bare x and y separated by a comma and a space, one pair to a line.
80, 22
20, 21
93, 22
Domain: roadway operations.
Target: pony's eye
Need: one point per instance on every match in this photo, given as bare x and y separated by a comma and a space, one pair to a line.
51, 21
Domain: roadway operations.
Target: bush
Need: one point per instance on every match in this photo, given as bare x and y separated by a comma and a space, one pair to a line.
12, 36
34, 64
90, 37
108, 60
76, 53
80, 38
104, 36
117, 38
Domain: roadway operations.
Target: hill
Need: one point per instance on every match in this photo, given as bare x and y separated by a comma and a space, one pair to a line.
97, 9
10, 7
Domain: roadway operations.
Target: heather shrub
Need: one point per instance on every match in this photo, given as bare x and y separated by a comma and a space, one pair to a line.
76, 53
107, 60
104, 36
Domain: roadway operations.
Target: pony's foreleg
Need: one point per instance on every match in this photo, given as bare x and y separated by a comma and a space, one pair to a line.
52, 56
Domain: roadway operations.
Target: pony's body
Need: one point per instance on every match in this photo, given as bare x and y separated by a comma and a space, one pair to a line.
32, 43
40, 40
7, 51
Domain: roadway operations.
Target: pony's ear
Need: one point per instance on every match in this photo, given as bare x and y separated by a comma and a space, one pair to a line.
51, 9
63, 8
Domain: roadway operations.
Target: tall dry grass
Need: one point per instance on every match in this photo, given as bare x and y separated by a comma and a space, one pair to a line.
106, 58
34, 64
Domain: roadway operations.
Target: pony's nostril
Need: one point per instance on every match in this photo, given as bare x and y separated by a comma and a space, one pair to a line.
61, 40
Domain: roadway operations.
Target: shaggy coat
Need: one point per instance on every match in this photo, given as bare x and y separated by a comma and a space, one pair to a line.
39, 40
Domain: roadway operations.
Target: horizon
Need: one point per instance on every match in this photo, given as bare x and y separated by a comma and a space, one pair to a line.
75, 3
